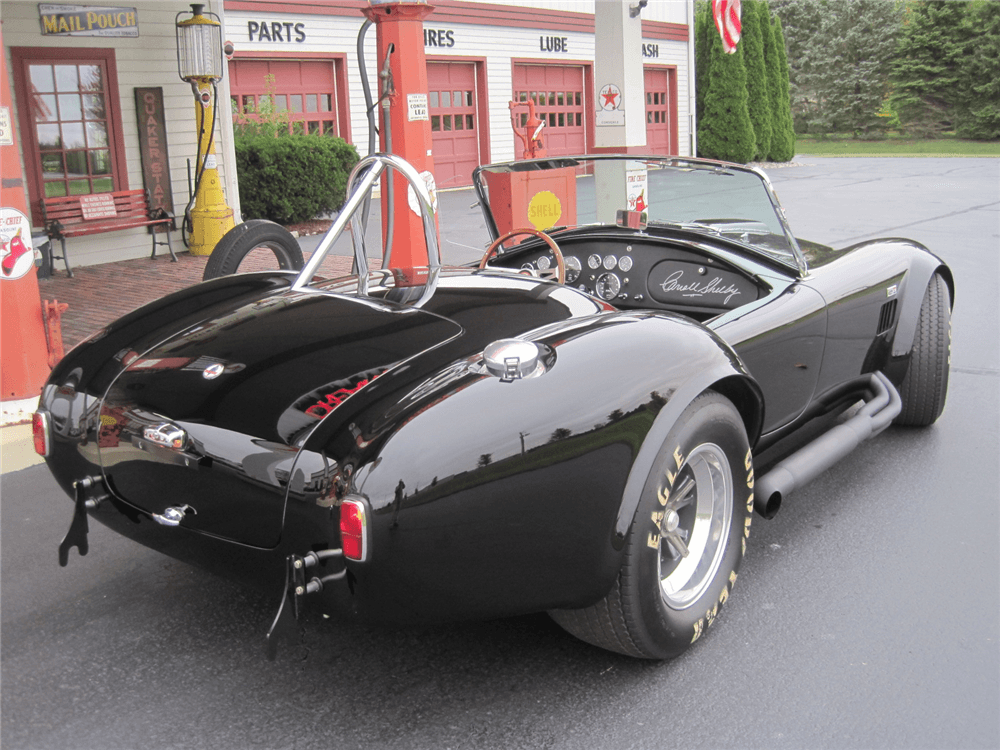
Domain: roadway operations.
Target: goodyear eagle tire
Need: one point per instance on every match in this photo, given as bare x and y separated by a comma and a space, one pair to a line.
925, 385
243, 239
697, 499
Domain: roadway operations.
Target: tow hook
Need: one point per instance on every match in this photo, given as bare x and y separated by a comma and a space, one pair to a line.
296, 587
90, 493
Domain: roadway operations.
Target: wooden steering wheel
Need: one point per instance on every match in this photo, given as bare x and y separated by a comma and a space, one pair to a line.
557, 274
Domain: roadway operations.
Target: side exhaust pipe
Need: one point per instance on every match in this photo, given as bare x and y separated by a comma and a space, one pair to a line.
882, 405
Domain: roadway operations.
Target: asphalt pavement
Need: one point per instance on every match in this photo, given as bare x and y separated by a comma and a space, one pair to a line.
867, 613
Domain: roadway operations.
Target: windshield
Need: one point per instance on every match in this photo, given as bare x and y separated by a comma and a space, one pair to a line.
711, 198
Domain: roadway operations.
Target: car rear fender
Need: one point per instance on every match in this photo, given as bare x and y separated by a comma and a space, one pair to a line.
522, 466
728, 378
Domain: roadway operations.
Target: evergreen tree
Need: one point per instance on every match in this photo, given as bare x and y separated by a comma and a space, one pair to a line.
978, 96
783, 133
725, 131
704, 26
926, 68
861, 37
840, 53
800, 22
759, 100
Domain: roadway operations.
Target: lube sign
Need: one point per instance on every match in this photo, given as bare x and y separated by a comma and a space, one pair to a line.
87, 20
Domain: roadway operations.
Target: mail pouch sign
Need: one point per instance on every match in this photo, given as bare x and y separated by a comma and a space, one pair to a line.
86, 20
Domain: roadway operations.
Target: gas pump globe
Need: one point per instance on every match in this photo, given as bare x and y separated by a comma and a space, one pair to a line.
199, 46
200, 62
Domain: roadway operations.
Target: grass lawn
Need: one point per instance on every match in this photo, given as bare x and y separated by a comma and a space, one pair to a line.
839, 146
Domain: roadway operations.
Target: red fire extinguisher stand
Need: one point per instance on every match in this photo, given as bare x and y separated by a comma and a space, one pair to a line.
23, 350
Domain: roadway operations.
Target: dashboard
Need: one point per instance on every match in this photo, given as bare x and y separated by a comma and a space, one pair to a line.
644, 273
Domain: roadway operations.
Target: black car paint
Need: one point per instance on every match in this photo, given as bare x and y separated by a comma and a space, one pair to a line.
534, 520
376, 442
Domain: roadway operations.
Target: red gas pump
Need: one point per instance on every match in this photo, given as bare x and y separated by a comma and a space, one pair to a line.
531, 138
399, 29
531, 199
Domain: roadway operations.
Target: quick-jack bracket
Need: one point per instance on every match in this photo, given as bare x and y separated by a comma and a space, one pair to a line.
79, 528
296, 587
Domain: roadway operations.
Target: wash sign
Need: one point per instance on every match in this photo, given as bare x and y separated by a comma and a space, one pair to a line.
86, 20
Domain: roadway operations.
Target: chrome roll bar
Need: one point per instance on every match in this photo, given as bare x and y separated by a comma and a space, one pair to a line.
361, 182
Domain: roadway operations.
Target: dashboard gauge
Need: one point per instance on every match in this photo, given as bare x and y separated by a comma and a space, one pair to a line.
544, 263
625, 263
608, 286
527, 267
610, 261
594, 261
573, 269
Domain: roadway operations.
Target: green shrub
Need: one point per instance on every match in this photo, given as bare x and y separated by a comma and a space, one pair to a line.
294, 177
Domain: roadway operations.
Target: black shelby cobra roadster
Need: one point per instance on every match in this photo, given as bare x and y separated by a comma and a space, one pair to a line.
573, 426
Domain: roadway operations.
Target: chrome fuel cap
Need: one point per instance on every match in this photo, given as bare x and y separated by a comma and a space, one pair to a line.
512, 359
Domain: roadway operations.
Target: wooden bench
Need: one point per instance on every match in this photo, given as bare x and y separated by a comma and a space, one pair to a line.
78, 215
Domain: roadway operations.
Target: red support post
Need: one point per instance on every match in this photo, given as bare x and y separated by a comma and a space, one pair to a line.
23, 350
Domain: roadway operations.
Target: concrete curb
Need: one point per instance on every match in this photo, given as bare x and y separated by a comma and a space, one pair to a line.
17, 411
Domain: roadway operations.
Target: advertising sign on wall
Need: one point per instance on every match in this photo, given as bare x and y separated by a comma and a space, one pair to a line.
87, 20
153, 147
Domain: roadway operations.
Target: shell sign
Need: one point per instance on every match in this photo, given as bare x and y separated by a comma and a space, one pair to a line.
544, 210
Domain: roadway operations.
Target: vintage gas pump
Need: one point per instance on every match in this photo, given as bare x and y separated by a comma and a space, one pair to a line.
531, 199
24, 360
406, 130
531, 139
200, 62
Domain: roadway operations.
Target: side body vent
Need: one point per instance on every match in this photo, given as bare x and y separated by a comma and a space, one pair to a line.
886, 317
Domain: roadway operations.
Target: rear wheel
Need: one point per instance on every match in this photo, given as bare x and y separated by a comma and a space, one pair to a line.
254, 245
925, 385
686, 541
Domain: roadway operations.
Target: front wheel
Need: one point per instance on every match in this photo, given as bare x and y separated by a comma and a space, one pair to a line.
686, 541
925, 386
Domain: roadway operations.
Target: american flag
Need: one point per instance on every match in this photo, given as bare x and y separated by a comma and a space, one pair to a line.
727, 21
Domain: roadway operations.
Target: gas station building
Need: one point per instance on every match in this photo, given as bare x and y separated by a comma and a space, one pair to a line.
98, 105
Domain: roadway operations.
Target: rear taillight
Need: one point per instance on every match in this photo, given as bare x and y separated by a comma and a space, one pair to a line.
354, 529
40, 432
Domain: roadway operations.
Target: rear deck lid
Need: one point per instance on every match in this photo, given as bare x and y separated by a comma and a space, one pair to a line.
214, 417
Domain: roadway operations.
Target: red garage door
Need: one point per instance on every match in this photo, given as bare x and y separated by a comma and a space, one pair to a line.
661, 110
304, 89
452, 105
557, 91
